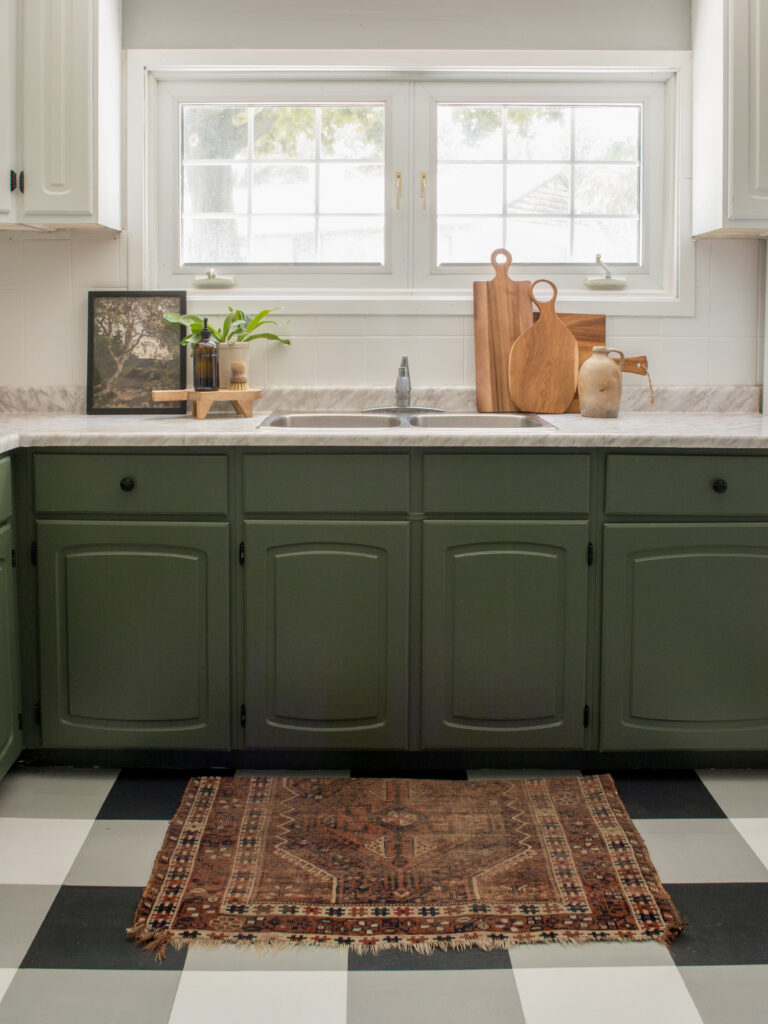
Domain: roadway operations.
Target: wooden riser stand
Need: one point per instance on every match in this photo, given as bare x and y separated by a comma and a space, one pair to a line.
242, 400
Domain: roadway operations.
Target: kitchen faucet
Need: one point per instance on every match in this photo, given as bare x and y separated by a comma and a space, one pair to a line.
403, 385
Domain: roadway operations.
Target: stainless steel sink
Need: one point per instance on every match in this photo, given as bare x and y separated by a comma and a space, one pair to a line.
484, 420
332, 420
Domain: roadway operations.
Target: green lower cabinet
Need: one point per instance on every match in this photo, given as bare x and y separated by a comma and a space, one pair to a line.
10, 705
685, 643
504, 634
134, 634
326, 634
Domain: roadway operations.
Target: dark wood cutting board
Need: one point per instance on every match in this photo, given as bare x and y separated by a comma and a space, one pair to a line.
503, 311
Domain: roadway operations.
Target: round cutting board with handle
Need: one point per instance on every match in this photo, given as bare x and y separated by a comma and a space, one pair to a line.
544, 362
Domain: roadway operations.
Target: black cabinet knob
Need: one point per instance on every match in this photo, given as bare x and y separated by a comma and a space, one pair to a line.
719, 486
127, 483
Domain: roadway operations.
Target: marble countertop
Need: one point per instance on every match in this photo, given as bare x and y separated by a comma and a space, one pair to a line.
629, 430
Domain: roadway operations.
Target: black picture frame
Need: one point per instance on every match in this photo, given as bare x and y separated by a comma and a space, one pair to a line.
132, 350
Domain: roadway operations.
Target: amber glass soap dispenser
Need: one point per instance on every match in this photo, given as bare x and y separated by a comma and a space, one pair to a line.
205, 361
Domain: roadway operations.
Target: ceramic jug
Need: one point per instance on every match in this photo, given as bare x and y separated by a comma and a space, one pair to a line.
599, 385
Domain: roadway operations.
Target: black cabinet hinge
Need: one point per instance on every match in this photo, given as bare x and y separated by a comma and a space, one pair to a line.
241, 553
33, 553
21, 721
37, 713
13, 558
14, 181
590, 553
242, 715
586, 715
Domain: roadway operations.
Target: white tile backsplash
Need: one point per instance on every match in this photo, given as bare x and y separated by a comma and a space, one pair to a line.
45, 278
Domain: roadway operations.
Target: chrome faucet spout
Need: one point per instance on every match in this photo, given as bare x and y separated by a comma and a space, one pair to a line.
403, 385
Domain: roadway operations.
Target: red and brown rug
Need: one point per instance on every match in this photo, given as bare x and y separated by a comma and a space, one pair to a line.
410, 864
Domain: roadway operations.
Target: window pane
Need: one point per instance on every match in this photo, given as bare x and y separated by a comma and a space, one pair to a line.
355, 133
468, 239
546, 168
538, 133
469, 133
539, 189
284, 133
215, 189
607, 133
616, 239
302, 164
351, 188
470, 188
214, 133
283, 188
606, 188
219, 240
282, 239
539, 239
355, 239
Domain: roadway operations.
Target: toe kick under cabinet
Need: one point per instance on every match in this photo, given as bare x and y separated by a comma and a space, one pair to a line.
133, 600
685, 643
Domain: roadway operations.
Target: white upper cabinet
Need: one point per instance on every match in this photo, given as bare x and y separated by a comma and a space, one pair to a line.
730, 127
67, 114
9, 190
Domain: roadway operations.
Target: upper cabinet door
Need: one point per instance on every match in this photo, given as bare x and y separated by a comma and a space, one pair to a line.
58, 108
748, 156
8, 124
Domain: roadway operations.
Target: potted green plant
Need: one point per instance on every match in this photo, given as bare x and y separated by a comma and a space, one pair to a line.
237, 330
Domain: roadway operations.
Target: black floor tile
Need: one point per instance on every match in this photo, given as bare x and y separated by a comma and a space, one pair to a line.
149, 794
429, 773
440, 960
727, 924
665, 794
85, 929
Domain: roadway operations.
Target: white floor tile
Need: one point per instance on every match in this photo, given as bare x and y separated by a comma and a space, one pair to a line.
237, 958
741, 793
699, 851
118, 853
39, 851
6, 977
755, 832
605, 995
301, 997
55, 792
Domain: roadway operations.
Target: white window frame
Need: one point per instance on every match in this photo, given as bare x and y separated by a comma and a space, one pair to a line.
666, 288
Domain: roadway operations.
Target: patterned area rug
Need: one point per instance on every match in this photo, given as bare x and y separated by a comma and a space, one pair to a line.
401, 863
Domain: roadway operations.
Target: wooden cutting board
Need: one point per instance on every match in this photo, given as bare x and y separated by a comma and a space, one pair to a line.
544, 362
503, 311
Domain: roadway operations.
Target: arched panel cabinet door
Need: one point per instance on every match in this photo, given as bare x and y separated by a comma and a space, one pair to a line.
134, 634
504, 634
326, 634
10, 733
685, 644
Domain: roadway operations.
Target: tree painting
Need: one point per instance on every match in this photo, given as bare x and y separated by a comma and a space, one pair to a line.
132, 350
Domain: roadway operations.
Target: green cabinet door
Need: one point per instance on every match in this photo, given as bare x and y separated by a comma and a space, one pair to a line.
134, 634
326, 634
504, 634
10, 734
685, 643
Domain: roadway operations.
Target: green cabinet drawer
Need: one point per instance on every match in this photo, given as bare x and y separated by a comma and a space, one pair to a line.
131, 484
506, 483
6, 496
687, 485
325, 482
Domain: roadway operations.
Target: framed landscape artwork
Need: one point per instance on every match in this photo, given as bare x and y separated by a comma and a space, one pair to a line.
133, 350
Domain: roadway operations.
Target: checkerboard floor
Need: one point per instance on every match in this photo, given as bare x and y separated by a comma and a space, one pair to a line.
77, 846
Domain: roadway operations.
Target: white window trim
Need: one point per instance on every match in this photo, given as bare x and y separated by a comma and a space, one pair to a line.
675, 298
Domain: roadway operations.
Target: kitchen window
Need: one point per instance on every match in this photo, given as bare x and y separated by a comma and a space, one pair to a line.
398, 186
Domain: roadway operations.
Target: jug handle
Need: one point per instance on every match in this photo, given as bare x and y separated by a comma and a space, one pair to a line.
615, 351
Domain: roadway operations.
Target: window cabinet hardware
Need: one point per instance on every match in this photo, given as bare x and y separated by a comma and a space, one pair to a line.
21, 182
423, 189
586, 715
398, 188
14, 181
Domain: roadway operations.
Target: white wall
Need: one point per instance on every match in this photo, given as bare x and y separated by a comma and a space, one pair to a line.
409, 24
45, 278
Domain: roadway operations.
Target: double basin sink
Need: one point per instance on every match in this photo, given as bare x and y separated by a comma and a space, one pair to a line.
391, 418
